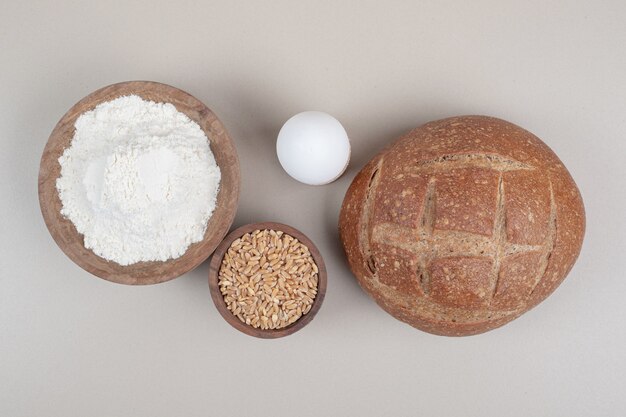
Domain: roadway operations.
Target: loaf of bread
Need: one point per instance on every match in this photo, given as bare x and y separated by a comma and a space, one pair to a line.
462, 225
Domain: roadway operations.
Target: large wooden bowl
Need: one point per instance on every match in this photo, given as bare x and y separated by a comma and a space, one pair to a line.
71, 242
218, 298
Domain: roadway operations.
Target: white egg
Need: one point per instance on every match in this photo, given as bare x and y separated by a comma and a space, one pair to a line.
313, 148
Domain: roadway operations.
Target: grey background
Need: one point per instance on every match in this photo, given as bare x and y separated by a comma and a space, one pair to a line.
75, 345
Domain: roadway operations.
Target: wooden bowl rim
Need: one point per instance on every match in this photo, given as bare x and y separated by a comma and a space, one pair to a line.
142, 273
218, 299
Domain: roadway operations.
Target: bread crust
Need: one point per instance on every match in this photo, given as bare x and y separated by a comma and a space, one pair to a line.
462, 225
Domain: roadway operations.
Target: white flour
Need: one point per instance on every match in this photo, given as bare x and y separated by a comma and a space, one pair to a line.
139, 181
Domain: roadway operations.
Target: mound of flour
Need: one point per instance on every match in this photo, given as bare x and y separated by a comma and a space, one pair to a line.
139, 181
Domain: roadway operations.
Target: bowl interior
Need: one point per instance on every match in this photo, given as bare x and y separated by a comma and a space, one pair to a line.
71, 242
218, 299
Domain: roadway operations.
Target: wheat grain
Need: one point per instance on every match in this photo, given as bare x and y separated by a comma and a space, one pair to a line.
268, 279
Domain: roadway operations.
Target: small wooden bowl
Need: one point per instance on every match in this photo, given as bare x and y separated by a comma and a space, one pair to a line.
218, 299
71, 242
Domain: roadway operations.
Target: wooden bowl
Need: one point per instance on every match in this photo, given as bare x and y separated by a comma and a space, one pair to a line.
218, 299
71, 242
